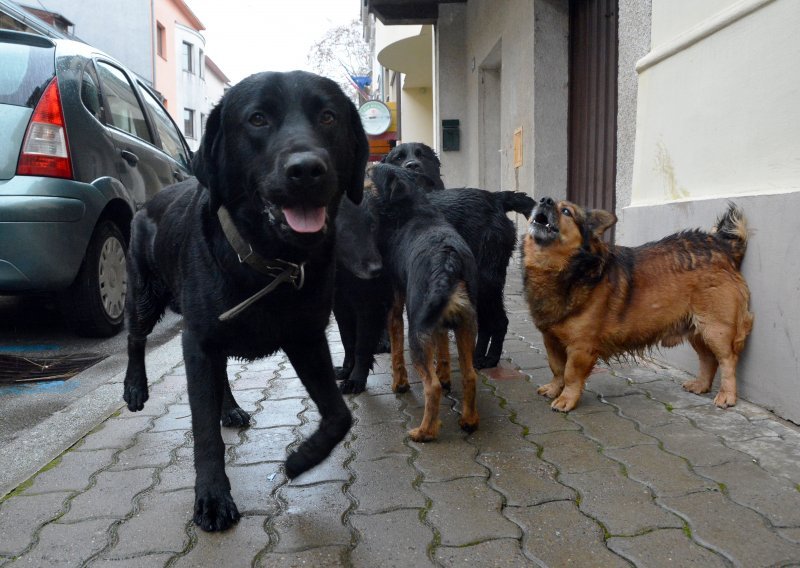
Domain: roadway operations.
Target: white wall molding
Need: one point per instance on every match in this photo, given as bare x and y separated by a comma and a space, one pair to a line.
700, 32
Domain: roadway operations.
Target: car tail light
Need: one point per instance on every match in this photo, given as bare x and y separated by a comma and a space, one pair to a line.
44, 149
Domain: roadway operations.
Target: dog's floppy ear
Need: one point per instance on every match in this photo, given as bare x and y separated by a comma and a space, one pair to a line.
355, 187
204, 164
598, 221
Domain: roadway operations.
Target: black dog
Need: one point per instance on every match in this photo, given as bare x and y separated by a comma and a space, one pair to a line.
419, 158
433, 273
363, 294
279, 151
480, 218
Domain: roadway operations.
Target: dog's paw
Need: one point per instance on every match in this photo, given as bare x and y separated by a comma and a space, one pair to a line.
342, 373
135, 396
235, 418
697, 386
564, 403
352, 387
400, 387
550, 390
422, 435
446, 385
469, 425
725, 399
214, 510
484, 362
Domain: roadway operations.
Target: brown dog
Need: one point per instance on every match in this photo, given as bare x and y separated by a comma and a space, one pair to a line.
594, 301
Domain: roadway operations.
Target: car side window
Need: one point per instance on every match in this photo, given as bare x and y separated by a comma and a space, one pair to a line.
90, 92
123, 109
171, 140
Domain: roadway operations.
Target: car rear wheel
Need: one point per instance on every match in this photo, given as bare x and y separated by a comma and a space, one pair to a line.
94, 305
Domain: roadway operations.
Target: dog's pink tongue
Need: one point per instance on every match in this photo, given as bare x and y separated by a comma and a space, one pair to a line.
304, 219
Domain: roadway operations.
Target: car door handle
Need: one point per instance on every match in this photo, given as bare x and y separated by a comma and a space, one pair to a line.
129, 157
177, 175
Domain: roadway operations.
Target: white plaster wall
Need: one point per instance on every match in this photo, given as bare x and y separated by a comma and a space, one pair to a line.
717, 120
673, 17
417, 105
722, 116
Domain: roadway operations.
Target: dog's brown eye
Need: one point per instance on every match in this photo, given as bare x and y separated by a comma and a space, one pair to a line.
566, 212
327, 118
258, 119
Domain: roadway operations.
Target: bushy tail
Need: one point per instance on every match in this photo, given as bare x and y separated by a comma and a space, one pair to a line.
732, 227
515, 201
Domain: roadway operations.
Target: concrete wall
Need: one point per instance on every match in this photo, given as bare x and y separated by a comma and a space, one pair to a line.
127, 36
718, 119
467, 37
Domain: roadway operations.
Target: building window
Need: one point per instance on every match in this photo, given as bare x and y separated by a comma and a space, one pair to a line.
200, 63
187, 57
188, 123
160, 40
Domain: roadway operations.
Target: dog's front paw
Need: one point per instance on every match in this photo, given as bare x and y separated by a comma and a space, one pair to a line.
214, 509
400, 387
469, 425
423, 435
135, 395
485, 362
235, 418
353, 387
550, 390
725, 399
697, 386
342, 373
565, 402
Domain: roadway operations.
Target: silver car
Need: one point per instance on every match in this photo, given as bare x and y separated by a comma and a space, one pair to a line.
83, 144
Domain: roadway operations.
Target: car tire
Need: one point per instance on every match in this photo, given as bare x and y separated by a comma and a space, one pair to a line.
94, 305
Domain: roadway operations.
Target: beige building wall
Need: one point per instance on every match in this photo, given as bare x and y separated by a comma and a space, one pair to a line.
417, 125
718, 120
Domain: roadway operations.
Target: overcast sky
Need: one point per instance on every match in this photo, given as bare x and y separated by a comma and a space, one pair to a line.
248, 36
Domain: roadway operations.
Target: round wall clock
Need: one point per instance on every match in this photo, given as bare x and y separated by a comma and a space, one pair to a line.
375, 117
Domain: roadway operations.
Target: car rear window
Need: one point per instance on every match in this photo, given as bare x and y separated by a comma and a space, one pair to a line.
25, 71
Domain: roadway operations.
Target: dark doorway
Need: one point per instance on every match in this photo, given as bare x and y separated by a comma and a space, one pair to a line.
592, 153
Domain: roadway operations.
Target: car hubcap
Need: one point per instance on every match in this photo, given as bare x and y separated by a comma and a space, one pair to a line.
113, 277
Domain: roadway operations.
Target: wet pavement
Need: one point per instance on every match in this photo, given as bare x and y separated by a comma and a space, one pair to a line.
641, 473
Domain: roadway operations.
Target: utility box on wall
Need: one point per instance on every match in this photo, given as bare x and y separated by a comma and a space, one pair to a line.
451, 135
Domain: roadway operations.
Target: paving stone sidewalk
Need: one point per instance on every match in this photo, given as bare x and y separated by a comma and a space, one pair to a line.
640, 474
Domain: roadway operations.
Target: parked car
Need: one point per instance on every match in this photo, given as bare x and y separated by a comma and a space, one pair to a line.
83, 144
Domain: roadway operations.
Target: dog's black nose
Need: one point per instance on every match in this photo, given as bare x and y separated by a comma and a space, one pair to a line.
305, 168
373, 269
413, 165
547, 201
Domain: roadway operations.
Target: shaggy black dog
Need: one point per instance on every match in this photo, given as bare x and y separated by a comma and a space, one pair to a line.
432, 272
246, 253
480, 218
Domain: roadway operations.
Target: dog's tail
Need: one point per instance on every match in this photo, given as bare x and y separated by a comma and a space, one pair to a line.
449, 298
731, 227
515, 201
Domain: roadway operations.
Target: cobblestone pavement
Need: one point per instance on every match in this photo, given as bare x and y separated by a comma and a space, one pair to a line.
641, 473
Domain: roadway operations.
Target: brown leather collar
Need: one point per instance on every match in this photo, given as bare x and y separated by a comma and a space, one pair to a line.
280, 270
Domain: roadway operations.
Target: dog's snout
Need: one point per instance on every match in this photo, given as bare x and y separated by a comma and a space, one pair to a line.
305, 168
547, 201
373, 269
413, 165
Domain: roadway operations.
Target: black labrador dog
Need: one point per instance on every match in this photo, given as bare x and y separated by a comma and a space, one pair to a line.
363, 293
417, 157
246, 253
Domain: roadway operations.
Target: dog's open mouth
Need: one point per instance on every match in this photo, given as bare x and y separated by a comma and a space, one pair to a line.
542, 226
304, 219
